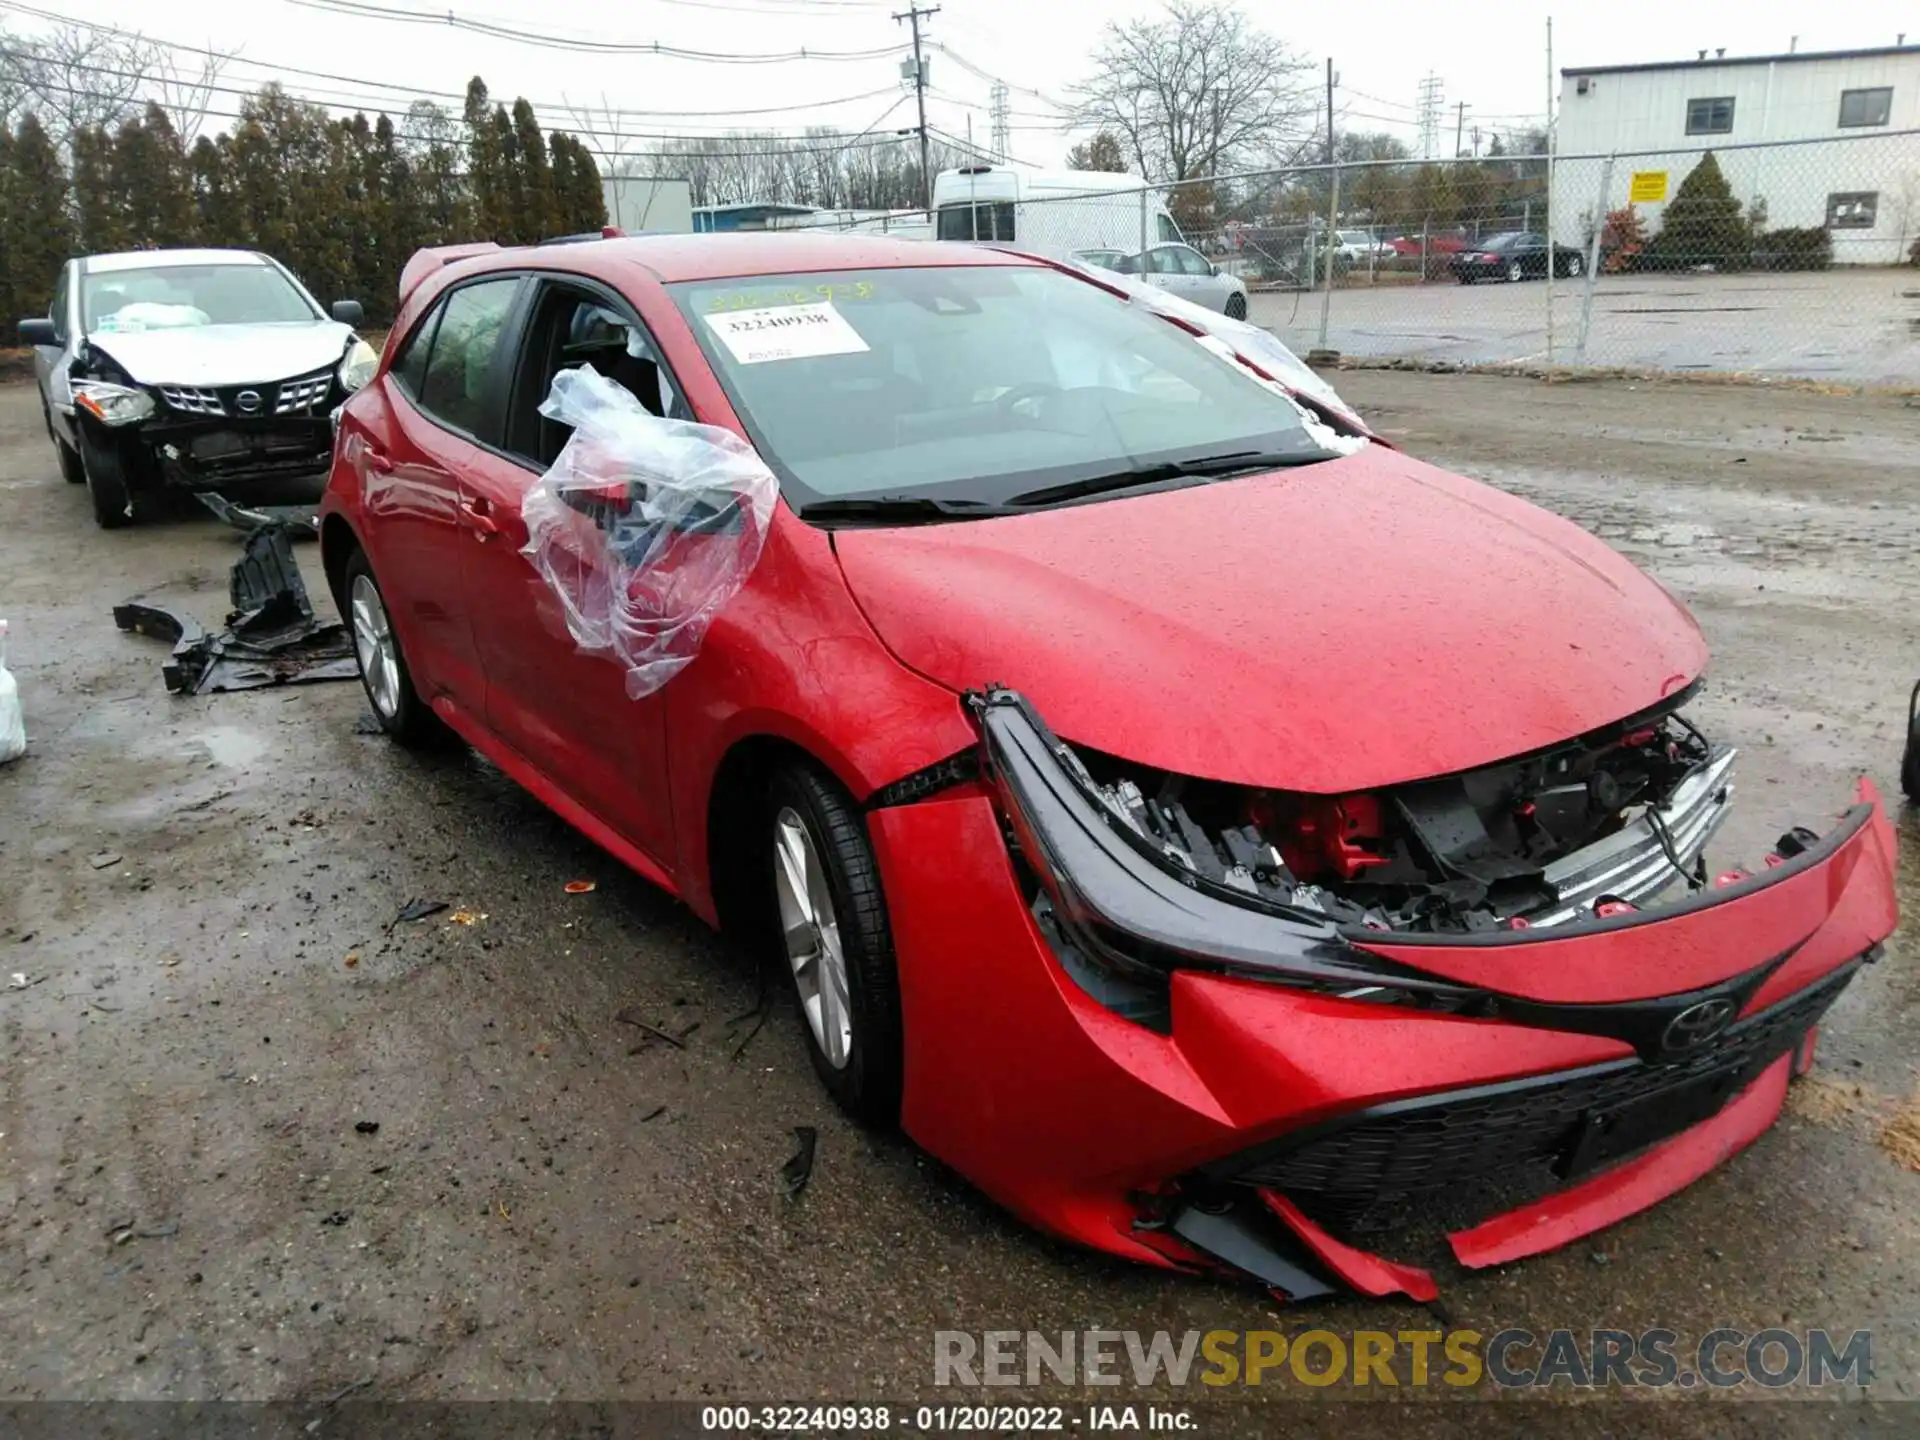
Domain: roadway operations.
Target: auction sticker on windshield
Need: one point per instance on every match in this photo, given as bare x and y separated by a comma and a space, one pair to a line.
786, 332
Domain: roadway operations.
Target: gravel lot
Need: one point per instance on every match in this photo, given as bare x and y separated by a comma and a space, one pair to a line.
555, 1206
1856, 324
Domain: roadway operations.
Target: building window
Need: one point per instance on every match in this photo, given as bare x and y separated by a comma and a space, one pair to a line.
1853, 210
1866, 107
1712, 116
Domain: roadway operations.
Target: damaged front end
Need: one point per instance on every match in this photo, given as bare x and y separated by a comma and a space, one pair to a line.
1532, 894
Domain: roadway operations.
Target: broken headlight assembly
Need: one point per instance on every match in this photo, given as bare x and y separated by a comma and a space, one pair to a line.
112, 404
358, 365
1136, 872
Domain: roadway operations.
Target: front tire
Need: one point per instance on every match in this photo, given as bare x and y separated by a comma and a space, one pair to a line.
106, 465
1910, 761
835, 942
384, 673
71, 469
1573, 267
1236, 306
1516, 272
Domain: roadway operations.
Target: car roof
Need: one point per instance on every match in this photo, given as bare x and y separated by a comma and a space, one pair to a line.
149, 259
738, 254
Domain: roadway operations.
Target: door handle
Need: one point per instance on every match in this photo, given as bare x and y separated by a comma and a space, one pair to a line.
480, 517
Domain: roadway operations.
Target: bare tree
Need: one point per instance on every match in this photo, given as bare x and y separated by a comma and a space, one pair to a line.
74, 78
1198, 91
185, 87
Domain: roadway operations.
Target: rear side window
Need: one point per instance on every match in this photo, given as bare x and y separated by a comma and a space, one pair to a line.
411, 368
453, 388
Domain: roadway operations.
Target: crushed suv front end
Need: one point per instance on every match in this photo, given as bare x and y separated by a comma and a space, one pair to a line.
1164, 1041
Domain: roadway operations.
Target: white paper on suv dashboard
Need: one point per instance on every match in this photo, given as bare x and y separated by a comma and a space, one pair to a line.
786, 332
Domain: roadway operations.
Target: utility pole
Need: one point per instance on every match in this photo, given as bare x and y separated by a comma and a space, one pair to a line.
912, 16
1459, 125
1329, 110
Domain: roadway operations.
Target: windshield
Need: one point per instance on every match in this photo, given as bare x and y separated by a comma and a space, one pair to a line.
164, 297
970, 383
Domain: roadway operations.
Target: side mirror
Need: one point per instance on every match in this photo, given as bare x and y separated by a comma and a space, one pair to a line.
38, 331
349, 312
1212, 269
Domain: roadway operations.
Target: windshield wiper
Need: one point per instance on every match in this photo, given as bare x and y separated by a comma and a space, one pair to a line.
1237, 462
898, 509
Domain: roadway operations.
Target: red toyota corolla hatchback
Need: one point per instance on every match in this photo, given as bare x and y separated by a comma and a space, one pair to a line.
1226, 840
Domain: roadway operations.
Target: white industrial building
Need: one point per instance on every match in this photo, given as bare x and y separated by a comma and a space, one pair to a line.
1855, 115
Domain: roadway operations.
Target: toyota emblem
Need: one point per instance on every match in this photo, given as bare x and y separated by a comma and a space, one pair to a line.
1696, 1025
247, 401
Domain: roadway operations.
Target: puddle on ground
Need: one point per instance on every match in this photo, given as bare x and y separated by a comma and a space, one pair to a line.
229, 746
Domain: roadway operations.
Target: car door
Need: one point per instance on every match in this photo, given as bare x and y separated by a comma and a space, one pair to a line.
409, 451
50, 361
564, 708
1164, 272
1532, 251
1203, 286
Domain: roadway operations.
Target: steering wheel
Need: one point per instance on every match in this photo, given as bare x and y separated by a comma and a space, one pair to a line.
1031, 390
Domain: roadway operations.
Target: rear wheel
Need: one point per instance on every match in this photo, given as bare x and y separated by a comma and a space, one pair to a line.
1573, 267
1236, 306
836, 942
106, 463
397, 706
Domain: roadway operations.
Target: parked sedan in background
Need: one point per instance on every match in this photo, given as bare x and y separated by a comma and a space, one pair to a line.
1516, 255
200, 369
1109, 846
1179, 270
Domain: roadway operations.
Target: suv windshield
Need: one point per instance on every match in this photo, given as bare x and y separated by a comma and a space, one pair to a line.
971, 383
164, 297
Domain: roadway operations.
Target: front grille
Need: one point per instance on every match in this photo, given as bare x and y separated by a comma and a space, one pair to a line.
1452, 1159
192, 400
298, 397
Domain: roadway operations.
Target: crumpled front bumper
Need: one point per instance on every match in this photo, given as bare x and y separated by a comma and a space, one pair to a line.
1304, 1097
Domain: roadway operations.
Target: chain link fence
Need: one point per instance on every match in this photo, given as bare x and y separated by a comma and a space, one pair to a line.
1797, 259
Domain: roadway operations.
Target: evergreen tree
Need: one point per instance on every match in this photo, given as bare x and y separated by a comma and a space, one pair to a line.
217, 216
1702, 224
150, 174
16, 293
509, 196
96, 203
536, 216
484, 164
38, 232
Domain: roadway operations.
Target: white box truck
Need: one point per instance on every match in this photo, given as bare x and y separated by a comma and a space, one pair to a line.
1051, 212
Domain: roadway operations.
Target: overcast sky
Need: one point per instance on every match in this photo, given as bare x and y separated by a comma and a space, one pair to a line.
1491, 55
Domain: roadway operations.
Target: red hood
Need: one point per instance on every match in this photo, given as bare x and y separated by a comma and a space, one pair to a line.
1336, 627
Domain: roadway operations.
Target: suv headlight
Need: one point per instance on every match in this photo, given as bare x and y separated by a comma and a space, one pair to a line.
358, 366
112, 404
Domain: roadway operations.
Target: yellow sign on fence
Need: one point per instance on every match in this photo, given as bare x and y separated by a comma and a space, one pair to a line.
1649, 187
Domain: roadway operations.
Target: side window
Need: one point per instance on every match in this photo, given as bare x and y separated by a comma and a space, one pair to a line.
453, 388
1193, 262
411, 368
1164, 261
573, 327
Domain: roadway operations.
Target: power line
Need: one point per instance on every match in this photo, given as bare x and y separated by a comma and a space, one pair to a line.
912, 17
800, 144
358, 10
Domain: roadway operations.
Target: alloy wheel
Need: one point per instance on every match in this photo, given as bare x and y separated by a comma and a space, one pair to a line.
812, 931
373, 644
